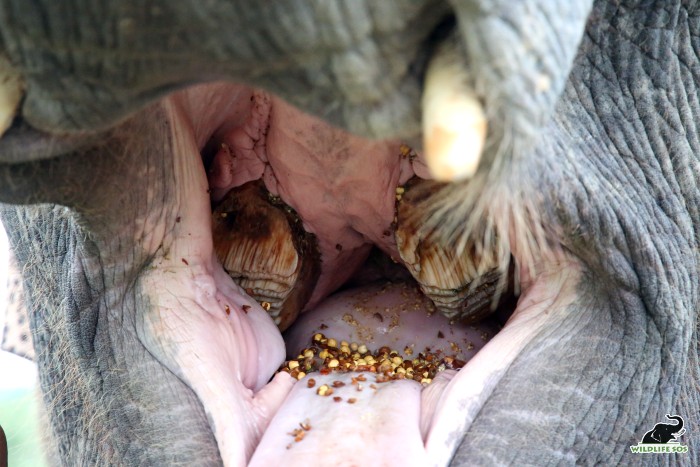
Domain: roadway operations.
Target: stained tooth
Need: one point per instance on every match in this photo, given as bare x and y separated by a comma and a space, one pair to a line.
444, 276
454, 124
262, 245
11, 87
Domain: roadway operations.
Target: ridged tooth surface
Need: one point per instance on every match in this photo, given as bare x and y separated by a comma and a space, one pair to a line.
447, 278
262, 245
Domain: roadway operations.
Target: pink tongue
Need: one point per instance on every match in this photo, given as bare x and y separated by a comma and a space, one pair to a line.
366, 422
333, 433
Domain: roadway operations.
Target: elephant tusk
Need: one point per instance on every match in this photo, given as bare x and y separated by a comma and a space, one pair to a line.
11, 90
454, 123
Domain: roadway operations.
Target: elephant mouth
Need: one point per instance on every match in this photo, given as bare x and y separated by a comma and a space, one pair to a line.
276, 211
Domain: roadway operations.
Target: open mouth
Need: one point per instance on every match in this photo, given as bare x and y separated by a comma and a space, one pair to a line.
481, 250
275, 212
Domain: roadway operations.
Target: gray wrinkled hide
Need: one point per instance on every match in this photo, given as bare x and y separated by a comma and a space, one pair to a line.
614, 172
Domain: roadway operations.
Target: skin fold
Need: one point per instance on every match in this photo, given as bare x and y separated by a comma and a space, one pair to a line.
590, 174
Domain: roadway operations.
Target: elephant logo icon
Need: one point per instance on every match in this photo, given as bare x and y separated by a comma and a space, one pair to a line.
663, 438
664, 432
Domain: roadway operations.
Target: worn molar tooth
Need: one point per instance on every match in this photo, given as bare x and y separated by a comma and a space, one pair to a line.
461, 286
454, 123
262, 245
11, 88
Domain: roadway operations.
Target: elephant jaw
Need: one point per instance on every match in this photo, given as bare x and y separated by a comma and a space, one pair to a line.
216, 337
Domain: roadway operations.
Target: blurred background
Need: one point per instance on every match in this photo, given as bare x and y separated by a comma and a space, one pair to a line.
19, 414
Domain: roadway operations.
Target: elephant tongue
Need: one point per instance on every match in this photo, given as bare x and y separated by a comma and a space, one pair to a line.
357, 422
332, 417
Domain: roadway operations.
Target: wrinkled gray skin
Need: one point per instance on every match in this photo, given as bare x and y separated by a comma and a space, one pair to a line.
611, 146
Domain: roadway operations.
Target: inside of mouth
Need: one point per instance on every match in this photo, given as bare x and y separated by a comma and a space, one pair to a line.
371, 355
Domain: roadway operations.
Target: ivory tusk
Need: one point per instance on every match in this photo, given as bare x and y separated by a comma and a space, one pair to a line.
11, 88
454, 123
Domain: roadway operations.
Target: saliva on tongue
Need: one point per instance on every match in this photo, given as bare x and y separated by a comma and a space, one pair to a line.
371, 364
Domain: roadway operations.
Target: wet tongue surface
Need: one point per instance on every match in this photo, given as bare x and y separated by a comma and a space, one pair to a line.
339, 417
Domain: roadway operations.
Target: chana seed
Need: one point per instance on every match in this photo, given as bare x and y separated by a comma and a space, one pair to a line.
324, 390
352, 400
386, 363
298, 434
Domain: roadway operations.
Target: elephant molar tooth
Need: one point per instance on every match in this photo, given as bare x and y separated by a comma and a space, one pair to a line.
454, 123
262, 245
461, 286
